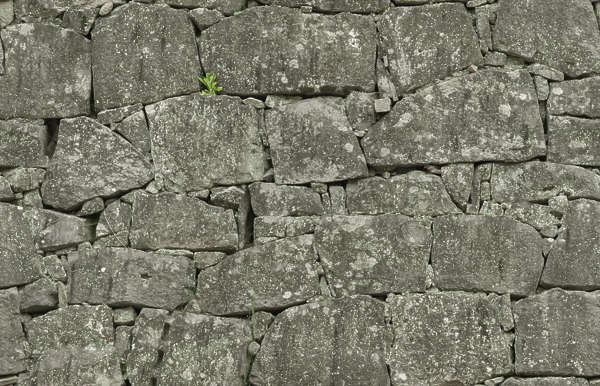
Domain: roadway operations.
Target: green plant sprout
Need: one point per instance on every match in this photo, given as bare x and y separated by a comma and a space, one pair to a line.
210, 82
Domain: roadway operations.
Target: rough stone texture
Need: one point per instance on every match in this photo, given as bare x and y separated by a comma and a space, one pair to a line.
373, 255
446, 339
13, 346
276, 200
336, 341
122, 277
22, 143
561, 34
488, 115
482, 253
546, 381
458, 179
312, 141
265, 277
557, 333
47, 72
220, 136
170, 220
54, 230
91, 161
577, 97
142, 54
574, 141
345, 44
414, 194
426, 43
356, 6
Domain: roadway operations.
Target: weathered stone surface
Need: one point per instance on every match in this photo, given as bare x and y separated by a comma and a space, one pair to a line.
484, 253
538, 216
487, 115
227, 7
415, 193
537, 181
345, 44
54, 230
356, 6
279, 200
13, 347
24, 179
579, 97
458, 180
47, 72
557, 333
142, 54
39, 296
269, 276
220, 136
546, 381
122, 277
446, 339
336, 341
373, 255
205, 350
204, 17
312, 141
543, 31
22, 143
134, 129
91, 161
170, 220
574, 141
425, 43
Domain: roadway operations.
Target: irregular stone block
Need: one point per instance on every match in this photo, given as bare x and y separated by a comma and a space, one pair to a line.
574, 141
458, 180
13, 346
54, 230
538, 216
39, 296
353, 328
220, 135
498, 120
227, 7
426, 43
47, 72
546, 381
134, 129
345, 43
266, 277
557, 333
123, 277
577, 97
355, 6
445, 339
135, 52
484, 253
22, 143
312, 141
279, 200
373, 255
542, 31
205, 350
169, 220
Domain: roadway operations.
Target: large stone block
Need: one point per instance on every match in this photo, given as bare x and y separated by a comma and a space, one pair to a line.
356, 6
276, 200
23, 143
220, 136
142, 54
578, 97
13, 346
574, 141
296, 54
488, 115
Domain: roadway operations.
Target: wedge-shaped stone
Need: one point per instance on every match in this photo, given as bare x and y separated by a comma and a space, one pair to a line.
488, 115
574, 141
426, 43
336, 341
220, 136
123, 277
23, 143
537, 181
91, 161
296, 54
170, 220
265, 277
280, 200
205, 350
557, 333
446, 339
544, 31
546, 381
484, 253
312, 141
47, 72
13, 347
142, 54
373, 255
413, 194
355, 6
579, 97
54, 230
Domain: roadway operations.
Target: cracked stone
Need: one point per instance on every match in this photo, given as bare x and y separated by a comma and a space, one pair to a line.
22, 143
13, 346
54, 230
279, 200
578, 97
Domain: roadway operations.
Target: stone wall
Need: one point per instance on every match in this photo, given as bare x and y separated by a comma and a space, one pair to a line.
385, 193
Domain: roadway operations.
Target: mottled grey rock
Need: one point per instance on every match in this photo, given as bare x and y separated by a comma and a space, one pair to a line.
204, 17
23, 143
321, 54
79, 20
415, 193
110, 116
546, 381
487, 115
54, 230
205, 350
542, 31
142, 54
356, 6
360, 110
265, 277
536, 215
579, 97
537, 181
279, 200
13, 346
312, 141
279, 227
336, 341
39, 296
574, 141
170, 220
458, 180
373, 255
425, 43
24, 179
134, 129
122, 277
557, 333
47, 72
446, 339
114, 219
485, 253
7, 14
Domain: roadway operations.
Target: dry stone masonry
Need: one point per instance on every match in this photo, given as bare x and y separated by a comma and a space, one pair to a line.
384, 193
